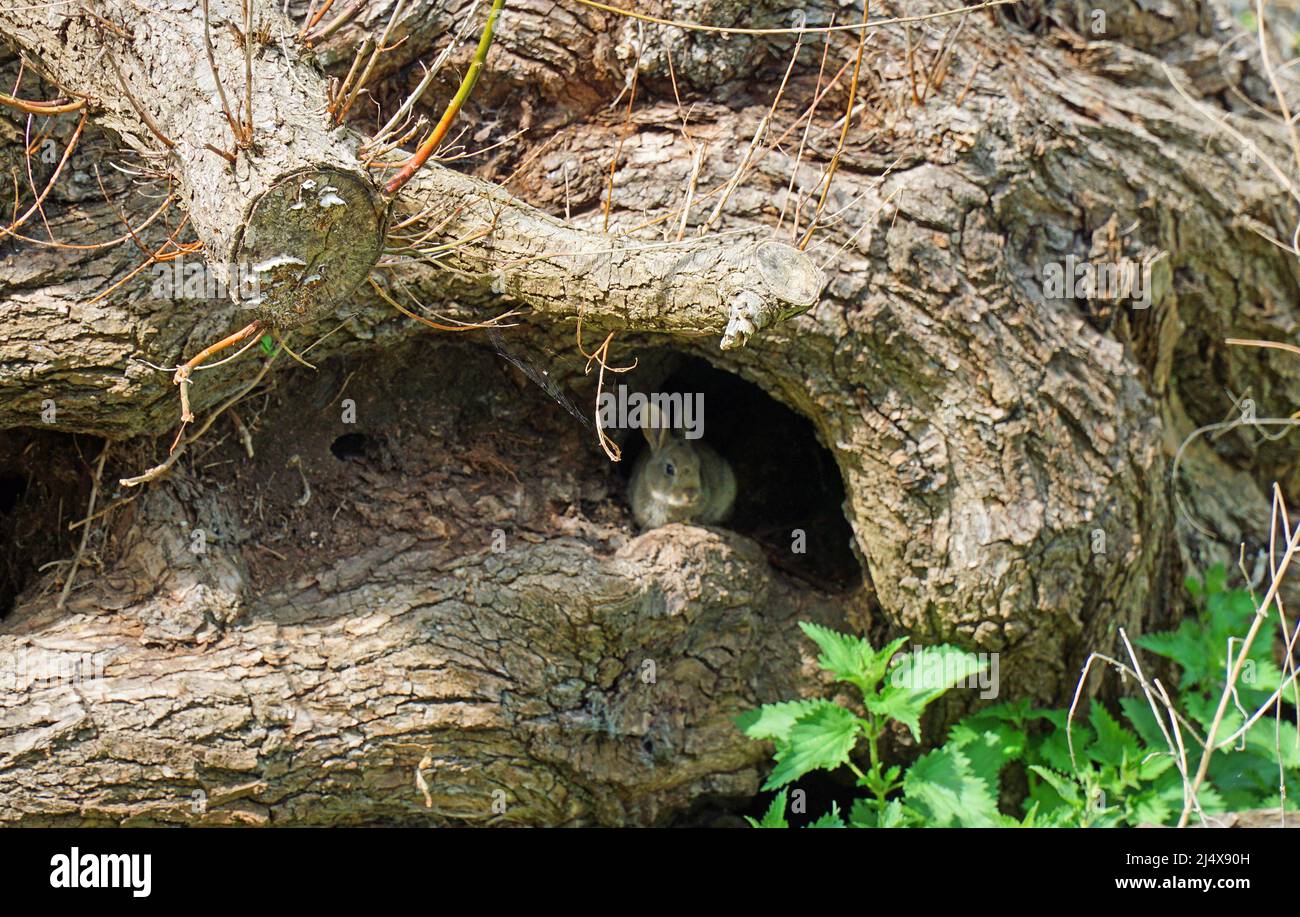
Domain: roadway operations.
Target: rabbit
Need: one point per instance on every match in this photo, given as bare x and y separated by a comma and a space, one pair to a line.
677, 480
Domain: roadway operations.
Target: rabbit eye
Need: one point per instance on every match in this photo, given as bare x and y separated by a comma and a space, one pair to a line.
670, 469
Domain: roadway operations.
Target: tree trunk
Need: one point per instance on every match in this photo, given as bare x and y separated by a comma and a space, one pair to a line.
406, 587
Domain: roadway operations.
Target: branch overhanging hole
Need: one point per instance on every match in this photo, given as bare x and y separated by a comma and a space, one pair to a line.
308, 243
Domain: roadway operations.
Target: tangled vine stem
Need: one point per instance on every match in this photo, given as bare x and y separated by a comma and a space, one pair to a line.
182, 377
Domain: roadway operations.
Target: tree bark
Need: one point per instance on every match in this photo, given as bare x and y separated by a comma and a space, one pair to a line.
1006, 452
544, 684
174, 83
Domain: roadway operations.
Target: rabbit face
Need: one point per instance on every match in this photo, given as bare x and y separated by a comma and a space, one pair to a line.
674, 476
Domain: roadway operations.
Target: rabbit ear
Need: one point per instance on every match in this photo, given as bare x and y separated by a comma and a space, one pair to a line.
657, 436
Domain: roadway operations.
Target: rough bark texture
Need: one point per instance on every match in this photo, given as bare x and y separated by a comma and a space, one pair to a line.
318, 233
147, 71
433, 602
985, 431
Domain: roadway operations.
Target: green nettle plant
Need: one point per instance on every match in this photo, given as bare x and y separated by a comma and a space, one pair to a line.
810, 735
1080, 770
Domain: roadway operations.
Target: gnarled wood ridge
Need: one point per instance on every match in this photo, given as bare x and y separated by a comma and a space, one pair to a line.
889, 246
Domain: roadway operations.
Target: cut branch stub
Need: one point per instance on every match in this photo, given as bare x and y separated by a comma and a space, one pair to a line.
310, 240
789, 273
754, 285
792, 283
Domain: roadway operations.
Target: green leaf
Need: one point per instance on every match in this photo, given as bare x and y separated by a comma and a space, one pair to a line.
988, 750
867, 813
1185, 646
1272, 739
821, 739
850, 658
1216, 579
1200, 645
268, 344
895, 815
942, 787
1066, 788
1230, 614
1139, 715
774, 721
1054, 747
1016, 712
921, 677
1212, 801
1259, 677
774, 817
1034, 819
1199, 707
1115, 745
1157, 807
1154, 764
830, 820
864, 813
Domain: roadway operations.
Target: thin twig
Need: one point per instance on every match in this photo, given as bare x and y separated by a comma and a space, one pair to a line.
938, 69
85, 536
224, 154
600, 356
73, 526
67, 153
182, 377
1278, 93
159, 470
41, 108
622, 137
216, 78
248, 71
753, 144
1274, 345
1235, 672
336, 23
147, 118
380, 48
844, 131
803, 141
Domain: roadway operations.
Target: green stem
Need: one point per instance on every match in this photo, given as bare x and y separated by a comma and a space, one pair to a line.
453, 107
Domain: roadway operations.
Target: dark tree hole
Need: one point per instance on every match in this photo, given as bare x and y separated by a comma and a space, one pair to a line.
44, 485
349, 446
12, 488
787, 482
